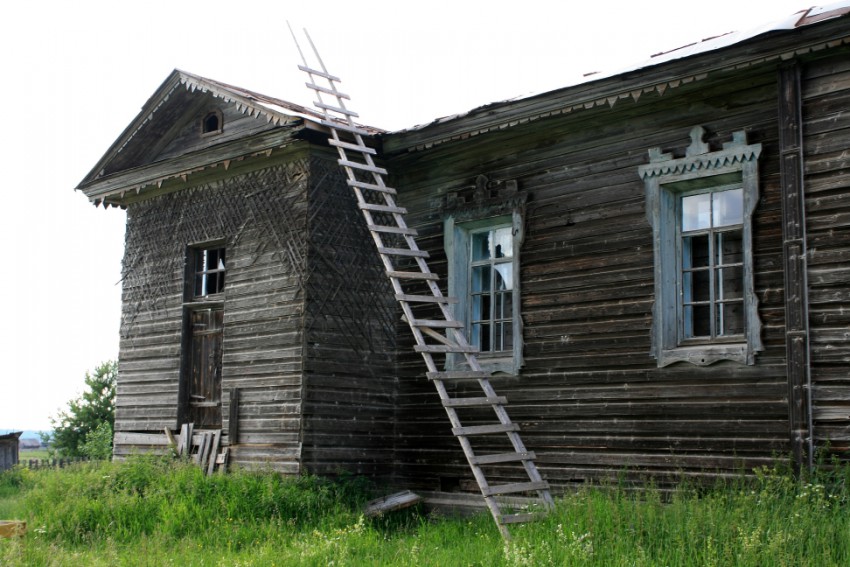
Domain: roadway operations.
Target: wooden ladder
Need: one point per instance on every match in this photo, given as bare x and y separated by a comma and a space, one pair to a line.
437, 333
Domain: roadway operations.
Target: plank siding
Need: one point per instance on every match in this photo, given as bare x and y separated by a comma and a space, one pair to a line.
258, 215
349, 384
590, 400
826, 131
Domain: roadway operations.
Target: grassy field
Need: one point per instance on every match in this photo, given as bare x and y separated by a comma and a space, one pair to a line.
152, 512
27, 454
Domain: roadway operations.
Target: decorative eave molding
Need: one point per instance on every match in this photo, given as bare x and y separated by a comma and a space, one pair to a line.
579, 101
120, 188
699, 157
194, 83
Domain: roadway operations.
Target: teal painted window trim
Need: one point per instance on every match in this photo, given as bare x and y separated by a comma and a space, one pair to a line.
458, 239
668, 181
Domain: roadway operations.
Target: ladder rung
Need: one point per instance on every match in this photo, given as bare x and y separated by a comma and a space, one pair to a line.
413, 276
444, 348
326, 90
344, 127
515, 487
337, 109
485, 429
473, 402
458, 375
371, 186
403, 252
392, 229
518, 518
424, 298
352, 147
319, 73
503, 458
437, 324
362, 166
382, 208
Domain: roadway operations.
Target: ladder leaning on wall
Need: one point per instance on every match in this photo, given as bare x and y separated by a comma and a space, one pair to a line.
416, 290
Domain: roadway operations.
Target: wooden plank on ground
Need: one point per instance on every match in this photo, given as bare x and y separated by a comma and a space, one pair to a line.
389, 503
216, 441
12, 528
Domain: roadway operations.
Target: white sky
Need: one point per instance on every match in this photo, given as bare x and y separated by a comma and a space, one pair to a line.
74, 74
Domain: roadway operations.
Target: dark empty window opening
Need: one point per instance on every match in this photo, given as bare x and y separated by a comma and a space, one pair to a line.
212, 123
209, 271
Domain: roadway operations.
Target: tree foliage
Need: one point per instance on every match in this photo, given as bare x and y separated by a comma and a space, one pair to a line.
85, 427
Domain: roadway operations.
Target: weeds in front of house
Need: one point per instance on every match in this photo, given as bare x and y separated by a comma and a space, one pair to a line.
157, 512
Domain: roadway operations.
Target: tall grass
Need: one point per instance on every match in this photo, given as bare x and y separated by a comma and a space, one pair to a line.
153, 512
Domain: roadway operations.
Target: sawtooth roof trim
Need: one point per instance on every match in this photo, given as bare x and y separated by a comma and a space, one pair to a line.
274, 110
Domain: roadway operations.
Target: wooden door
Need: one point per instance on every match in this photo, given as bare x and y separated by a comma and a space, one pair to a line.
204, 389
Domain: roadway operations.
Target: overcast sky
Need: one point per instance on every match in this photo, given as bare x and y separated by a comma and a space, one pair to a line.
74, 74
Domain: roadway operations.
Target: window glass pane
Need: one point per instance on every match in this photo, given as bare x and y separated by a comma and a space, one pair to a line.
477, 313
696, 212
480, 278
503, 243
730, 283
200, 288
729, 207
729, 247
503, 277
695, 251
480, 246
730, 318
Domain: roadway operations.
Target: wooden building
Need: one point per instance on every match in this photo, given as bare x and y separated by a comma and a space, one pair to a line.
251, 302
9, 450
654, 265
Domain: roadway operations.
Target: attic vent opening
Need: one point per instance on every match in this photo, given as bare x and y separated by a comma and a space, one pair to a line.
212, 123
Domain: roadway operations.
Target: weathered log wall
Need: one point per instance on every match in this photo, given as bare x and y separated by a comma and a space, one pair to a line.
826, 142
349, 383
309, 319
261, 216
591, 402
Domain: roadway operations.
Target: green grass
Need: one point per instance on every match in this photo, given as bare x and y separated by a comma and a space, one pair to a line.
153, 512
27, 454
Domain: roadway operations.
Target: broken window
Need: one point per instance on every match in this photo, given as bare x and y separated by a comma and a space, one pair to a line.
208, 271
483, 276
491, 288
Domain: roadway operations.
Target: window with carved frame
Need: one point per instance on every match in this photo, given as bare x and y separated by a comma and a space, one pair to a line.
483, 229
700, 208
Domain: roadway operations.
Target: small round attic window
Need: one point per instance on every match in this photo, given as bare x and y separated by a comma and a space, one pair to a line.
212, 123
